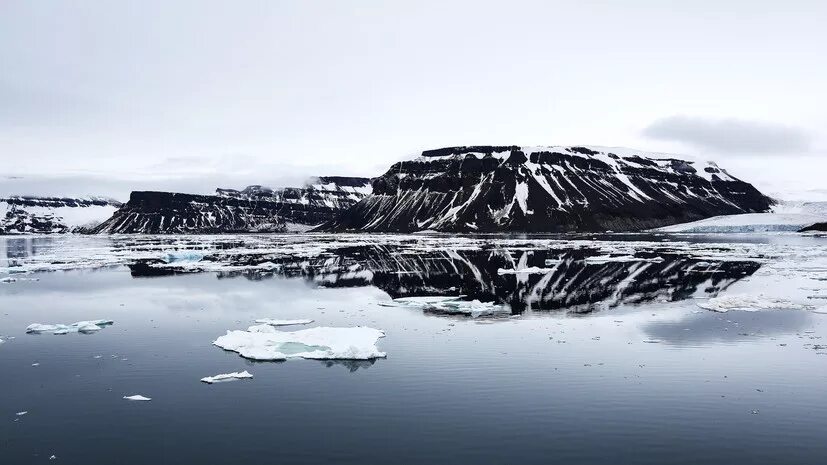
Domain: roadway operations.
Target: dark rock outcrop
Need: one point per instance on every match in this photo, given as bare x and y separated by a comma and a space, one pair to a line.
546, 189
815, 227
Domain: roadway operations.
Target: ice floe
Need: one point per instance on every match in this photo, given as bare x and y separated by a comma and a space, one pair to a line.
91, 326
527, 270
264, 342
749, 303
454, 305
180, 256
137, 397
277, 322
227, 377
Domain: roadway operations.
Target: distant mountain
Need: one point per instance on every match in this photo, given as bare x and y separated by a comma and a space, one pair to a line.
546, 189
253, 209
48, 215
815, 227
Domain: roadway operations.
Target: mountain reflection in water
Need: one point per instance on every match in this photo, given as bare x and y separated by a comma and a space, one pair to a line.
578, 280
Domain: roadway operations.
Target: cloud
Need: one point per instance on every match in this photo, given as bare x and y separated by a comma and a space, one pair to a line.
730, 135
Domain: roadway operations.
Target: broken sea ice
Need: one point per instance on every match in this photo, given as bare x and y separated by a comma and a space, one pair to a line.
264, 342
91, 326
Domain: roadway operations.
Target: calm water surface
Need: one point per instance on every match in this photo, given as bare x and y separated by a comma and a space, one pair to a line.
647, 378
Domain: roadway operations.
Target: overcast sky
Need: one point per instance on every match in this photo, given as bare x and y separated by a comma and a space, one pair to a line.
103, 97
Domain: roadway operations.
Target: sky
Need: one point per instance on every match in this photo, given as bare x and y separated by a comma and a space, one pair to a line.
101, 98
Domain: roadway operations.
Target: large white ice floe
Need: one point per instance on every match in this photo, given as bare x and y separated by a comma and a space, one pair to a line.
90, 326
453, 305
264, 342
277, 322
227, 377
749, 303
138, 398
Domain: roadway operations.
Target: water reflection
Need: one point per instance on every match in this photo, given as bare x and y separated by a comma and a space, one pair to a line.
577, 280
704, 328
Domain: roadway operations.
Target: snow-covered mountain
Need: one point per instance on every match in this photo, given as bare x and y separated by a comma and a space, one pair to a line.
253, 209
47, 215
546, 189
328, 194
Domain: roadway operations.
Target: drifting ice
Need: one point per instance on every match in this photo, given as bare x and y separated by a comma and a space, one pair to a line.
179, 256
453, 305
275, 322
227, 377
90, 326
264, 342
748, 303
137, 397
528, 270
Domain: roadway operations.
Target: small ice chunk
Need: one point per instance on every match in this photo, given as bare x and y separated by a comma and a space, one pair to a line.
527, 270
276, 322
179, 256
749, 303
227, 377
89, 326
137, 397
264, 342
35, 364
20, 414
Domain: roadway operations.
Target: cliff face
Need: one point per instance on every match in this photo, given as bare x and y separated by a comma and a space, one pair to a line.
167, 212
253, 209
546, 189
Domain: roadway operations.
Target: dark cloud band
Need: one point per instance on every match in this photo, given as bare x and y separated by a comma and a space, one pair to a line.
730, 135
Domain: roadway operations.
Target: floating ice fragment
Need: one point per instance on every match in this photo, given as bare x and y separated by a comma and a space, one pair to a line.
137, 397
90, 326
179, 256
528, 270
454, 305
227, 377
20, 414
749, 303
275, 322
264, 342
